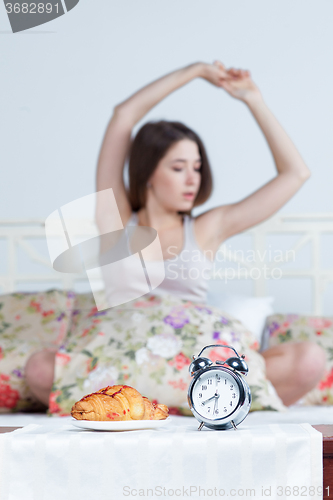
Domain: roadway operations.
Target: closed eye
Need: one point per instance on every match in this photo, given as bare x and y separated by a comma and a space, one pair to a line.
176, 169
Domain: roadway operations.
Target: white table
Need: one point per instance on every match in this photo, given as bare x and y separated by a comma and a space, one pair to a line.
51, 459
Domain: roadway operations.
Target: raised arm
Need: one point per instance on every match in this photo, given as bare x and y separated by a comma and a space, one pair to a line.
117, 137
292, 172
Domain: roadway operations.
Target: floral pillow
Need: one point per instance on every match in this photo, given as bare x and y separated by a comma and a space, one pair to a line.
294, 328
148, 344
29, 322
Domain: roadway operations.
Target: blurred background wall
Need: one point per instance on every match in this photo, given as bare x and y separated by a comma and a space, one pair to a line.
60, 82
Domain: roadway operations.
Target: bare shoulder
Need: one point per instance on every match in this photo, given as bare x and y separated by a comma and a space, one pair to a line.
126, 214
109, 215
209, 228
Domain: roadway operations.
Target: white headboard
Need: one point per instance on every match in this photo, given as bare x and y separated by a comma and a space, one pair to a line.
264, 254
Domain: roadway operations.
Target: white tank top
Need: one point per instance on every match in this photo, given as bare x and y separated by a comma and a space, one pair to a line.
187, 274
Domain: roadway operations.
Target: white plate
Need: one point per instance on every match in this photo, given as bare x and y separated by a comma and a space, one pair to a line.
126, 425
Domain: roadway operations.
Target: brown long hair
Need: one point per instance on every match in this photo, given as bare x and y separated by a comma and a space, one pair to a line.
149, 146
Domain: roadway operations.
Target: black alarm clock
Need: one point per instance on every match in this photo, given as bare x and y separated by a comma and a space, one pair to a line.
218, 395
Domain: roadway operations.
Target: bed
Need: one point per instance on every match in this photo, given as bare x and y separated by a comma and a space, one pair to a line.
25, 266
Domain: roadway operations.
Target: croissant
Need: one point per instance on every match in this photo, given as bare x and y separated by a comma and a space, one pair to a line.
118, 402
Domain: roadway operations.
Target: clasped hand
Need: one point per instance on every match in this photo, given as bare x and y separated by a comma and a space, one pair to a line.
237, 82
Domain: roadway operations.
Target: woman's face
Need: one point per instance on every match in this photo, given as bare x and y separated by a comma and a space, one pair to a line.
176, 180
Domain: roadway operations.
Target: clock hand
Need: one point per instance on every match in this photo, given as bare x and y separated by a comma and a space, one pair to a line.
215, 404
207, 400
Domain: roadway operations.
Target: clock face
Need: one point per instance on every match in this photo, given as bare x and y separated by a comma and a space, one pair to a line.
215, 394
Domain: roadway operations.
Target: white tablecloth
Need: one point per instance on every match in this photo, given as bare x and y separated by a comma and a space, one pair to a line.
54, 460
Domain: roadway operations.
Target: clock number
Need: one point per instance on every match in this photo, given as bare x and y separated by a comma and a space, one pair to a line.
200, 394
216, 411
231, 387
225, 380
225, 409
230, 403
203, 387
233, 395
210, 381
208, 409
218, 378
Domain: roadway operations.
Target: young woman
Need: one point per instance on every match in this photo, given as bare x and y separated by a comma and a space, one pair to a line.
169, 174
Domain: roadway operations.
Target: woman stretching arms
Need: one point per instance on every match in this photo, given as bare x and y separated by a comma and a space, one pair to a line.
169, 174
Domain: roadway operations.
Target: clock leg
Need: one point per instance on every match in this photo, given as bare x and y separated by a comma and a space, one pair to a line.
201, 426
233, 424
